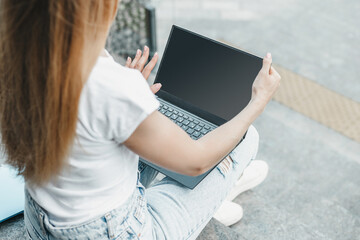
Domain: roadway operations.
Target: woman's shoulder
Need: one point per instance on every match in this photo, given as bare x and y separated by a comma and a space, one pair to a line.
114, 100
114, 79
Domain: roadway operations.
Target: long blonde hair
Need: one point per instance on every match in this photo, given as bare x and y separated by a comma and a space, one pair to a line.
47, 50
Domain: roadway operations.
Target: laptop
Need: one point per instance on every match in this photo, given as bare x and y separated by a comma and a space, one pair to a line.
11, 192
205, 83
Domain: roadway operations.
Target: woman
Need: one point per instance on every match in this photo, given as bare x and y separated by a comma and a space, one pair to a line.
73, 123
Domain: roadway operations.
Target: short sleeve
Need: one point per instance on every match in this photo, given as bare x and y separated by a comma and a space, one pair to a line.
136, 103
118, 100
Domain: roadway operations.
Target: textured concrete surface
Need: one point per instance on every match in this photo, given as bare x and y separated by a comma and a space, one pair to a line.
312, 191
13, 229
313, 187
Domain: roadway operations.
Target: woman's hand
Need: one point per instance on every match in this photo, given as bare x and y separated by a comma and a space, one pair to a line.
139, 64
266, 82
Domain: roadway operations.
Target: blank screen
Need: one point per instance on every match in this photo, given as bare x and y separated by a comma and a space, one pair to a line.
207, 74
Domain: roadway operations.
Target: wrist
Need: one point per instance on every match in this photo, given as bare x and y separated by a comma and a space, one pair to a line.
258, 103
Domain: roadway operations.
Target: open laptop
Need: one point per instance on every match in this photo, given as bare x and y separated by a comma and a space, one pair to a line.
205, 83
11, 192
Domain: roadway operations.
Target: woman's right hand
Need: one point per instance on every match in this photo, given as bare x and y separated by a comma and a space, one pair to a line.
266, 82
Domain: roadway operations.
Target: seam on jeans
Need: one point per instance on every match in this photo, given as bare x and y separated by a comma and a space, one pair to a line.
36, 232
28, 234
140, 215
41, 217
131, 230
109, 223
124, 234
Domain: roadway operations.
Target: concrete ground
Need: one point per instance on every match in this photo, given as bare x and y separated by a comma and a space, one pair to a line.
313, 187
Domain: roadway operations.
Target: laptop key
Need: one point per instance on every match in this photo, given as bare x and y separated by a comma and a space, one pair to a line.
179, 124
196, 122
201, 124
192, 125
191, 119
184, 127
186, 117
180, 119
190, 131
196, 134
204, 131
173, 116
186, 122
207, 127
162, 111
168, 114
198, 128
165, 107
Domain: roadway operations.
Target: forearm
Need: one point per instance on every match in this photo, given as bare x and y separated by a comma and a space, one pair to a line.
218, 143
164, 143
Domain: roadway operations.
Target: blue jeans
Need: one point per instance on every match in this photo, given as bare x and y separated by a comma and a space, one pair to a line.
163, 210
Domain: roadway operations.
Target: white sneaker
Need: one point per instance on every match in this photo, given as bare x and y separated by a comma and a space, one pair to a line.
229, 213
252, 176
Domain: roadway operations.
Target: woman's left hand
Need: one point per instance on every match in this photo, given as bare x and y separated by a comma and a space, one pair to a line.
139, 64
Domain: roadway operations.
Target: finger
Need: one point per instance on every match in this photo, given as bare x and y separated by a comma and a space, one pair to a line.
150, 66
267, 62
275, 73
142, 61
128, 62
155, 88
136, 59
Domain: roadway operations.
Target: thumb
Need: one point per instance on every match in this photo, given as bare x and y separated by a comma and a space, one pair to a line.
155, 88
267, 62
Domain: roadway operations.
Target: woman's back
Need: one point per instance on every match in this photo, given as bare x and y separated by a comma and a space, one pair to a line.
100, 173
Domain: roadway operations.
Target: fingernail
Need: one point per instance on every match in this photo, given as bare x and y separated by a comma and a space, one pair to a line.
268, 55
128, 59
145, 48
155, 54
158, 85
138, 52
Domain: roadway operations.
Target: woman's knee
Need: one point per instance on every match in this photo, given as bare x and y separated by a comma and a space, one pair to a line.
248, 149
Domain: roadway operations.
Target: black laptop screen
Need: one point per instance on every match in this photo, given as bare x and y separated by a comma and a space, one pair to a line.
207, 74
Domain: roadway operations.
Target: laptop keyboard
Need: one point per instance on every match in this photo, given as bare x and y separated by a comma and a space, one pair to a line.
191, 124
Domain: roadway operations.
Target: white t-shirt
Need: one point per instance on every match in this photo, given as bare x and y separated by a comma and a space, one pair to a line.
101, 172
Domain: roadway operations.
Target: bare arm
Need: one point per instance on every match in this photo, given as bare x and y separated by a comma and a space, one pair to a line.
162, 142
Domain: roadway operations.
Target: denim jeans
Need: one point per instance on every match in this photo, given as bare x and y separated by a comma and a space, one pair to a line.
161, 210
